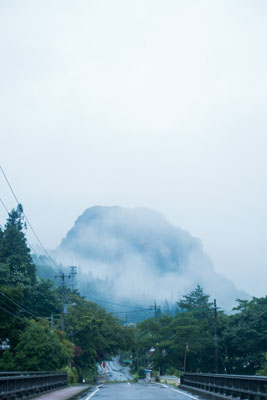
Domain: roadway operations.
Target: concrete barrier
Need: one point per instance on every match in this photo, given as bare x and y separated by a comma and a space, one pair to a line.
170, 380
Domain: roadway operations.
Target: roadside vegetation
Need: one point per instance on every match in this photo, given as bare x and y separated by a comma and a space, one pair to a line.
186, 341
32, 340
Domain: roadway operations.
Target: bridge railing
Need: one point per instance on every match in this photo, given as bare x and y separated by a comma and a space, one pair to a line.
242, 386
15, 385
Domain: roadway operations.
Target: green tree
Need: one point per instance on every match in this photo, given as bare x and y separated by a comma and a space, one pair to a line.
190, 332
96, 333
245, 337
196, 300
14, 252
37, 350
263, 370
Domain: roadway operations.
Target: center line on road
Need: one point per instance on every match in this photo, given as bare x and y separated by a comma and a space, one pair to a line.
178, 391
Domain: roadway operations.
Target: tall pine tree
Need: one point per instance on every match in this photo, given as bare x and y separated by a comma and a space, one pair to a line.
15, 256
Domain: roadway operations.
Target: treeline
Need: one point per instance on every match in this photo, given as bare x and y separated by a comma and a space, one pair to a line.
30, 339
186, 341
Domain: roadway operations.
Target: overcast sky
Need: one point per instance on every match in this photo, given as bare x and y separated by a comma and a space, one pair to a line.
157, 103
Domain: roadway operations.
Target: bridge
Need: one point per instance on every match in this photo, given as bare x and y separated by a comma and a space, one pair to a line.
25, 385
14, 385
226, 386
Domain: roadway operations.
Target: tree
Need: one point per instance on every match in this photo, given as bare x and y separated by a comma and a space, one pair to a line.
245, 337
96, 333
196, 300
263, 370
14, 251
190, 331
43, 298
37, 350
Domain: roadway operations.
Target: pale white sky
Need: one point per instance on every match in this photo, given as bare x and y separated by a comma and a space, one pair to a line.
154, 103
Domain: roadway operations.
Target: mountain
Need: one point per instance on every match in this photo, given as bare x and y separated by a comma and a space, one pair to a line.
141, 257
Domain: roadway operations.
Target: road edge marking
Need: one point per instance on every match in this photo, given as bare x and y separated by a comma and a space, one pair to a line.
92, 394
178, 391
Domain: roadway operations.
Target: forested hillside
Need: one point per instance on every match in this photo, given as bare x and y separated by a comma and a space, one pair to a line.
30, 316
143, 257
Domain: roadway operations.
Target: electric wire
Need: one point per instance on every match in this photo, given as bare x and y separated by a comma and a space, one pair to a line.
48, 255
132, 311
22, 308
114, 304
24, 319
19, 305
8, 306
28, 242
26, 218
15, 315
3, 204
11, 313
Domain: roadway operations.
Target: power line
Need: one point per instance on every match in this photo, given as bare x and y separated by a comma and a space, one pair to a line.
13, 315
132, 311
19, 305
4, 206
114, 304
28, 242
8, 306
26, 218
22, 308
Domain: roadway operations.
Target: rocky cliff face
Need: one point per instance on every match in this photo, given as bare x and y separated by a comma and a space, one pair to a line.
142, 256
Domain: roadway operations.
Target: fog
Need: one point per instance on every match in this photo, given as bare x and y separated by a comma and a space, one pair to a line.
140, 103
140, 257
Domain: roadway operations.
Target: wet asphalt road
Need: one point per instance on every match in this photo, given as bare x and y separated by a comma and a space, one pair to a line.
137, 391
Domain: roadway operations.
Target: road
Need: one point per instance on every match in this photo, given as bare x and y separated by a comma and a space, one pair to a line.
115, 371
137, 391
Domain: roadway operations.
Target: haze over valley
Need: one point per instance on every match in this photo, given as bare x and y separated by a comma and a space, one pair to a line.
137, 256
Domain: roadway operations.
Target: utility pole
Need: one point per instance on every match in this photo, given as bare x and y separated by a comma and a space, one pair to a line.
154, 307
62, 276
215, 337
185, 355
52, 323
73, 272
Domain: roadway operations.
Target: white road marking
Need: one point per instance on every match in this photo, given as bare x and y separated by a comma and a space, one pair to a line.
178, 391
92, 394
129, 383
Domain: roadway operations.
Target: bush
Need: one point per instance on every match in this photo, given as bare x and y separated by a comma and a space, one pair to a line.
141, 372
72, 375
174, 371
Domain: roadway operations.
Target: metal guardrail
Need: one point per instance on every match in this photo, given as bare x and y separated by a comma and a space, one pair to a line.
242, 386
20, 373
14, 385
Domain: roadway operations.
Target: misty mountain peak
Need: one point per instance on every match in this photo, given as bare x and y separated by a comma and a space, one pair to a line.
142, 254
112, 233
